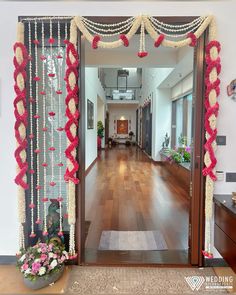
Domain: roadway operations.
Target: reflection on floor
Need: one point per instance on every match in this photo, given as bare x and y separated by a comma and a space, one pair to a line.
125, 191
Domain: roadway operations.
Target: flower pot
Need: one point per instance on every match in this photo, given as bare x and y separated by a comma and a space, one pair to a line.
44, 281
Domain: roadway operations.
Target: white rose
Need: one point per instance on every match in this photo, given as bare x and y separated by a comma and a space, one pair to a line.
50, 255
39, 250
22, 258
66, 254
42, 270
28, 271
53, 263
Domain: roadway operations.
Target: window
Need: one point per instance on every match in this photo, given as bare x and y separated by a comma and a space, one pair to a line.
181, 128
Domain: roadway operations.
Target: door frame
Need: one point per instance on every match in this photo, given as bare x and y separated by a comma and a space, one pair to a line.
197, 200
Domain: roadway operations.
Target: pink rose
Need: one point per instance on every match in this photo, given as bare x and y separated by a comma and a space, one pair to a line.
36, 266
55, 256
25, 266
44, 249
43, 257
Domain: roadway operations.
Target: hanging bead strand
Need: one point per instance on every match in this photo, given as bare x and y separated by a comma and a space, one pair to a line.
51, 113
37, 117
31, 136
67, 187
59, 129
44, 129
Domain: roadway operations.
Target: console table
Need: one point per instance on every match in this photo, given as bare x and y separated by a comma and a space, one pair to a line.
224, 228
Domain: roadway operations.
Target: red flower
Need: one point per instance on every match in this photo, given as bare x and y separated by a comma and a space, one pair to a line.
52, 183
95, 41
36, 42
125, 40
52, 149
32, 235
60, 165
37, 151
36, 78
43, 57
42, 92
45, 233
38, 187
31, 171
38, 221
31, 136
66, 41
37, 117
44, 199
193, 38
45, 129
52, 114
31, 206
159, 40
142, 54
51, 75
44, 164
51, 40
58, 92
59, 56
60, 233
31, 100
60, 129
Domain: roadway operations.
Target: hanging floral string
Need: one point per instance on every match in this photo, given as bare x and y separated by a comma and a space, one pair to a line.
37, 117
44, 129
212, 107
72, 114
20, 62
51, 75
60, 128
31, 136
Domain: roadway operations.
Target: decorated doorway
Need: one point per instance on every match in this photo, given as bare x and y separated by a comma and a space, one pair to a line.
42, 97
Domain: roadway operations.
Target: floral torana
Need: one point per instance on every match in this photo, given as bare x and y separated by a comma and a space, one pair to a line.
28, 174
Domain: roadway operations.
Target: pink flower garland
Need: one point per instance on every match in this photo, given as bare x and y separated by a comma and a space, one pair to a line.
211, 110
72, 94
20, 118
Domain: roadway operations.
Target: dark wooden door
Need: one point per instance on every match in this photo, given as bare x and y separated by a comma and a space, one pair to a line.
197, 186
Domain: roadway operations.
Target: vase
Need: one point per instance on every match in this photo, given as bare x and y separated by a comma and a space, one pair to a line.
44, 281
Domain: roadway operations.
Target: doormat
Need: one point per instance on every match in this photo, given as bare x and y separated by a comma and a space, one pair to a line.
93, 280
132, 240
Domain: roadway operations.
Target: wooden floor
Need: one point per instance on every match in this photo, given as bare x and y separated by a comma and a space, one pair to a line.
125, 190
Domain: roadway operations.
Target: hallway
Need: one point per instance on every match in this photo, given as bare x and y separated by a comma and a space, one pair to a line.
126, 191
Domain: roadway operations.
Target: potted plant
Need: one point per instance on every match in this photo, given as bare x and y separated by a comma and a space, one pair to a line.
100, 133
42, 264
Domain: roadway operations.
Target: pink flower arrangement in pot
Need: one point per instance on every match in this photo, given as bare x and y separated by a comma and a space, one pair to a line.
42, 264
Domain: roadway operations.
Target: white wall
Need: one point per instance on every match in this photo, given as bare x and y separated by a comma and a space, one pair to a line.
93, 89
125, 112
9, 11
160, 105
163, 120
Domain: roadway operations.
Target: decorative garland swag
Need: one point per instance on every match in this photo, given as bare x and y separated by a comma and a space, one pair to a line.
162, 34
